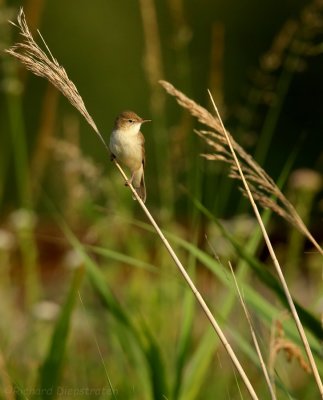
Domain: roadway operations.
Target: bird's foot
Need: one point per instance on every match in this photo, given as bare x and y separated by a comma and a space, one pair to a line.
112, 157
129, 181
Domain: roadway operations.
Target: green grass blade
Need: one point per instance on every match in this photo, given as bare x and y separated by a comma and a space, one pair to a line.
19, 146
312, 323
144, 340
156, 367
123, 258
252, 296
184, 340
273, 115
98, 282
199, 365
4, 164
50, 371
307, 318
188, 314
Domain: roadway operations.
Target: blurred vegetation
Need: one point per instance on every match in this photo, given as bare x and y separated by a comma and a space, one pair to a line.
91, 304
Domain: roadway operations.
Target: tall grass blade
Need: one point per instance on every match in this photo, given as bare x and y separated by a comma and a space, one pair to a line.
199, 366
265, 276
143, 338
257, 301
254, 336
188, 314
184, 341
34, 59
123, 258
262, 186
51, 369
4, 164
245, 179
19, 149
156, 364
98, 282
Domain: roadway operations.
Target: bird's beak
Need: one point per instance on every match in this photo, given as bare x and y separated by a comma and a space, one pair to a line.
145, 120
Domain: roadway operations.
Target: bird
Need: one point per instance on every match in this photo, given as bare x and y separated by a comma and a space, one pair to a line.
127, 146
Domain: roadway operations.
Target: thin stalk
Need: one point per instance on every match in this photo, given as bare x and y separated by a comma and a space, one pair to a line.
195, 291
20, 153
254, 337
37, 61
273, 257
153, 64
272, 116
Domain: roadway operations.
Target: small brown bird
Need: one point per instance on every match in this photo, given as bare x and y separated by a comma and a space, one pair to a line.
127, 145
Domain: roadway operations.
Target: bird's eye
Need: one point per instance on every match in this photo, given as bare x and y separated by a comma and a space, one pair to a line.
130, 120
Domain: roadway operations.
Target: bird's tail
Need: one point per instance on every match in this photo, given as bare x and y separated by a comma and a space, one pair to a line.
139, 185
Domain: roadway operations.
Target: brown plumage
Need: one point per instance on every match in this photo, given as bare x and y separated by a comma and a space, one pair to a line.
127, 144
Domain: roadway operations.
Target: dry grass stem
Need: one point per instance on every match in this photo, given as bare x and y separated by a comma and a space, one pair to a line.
46, 132
272, 255
35, 60
264, 189
196, 293
254, 337
153, 55
279, 344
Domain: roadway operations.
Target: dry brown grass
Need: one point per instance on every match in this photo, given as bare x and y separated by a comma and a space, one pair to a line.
279, 344
263, 188
270, 250
37, 61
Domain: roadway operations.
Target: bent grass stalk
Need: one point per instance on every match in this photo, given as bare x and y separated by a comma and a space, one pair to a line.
253, 335
195, 291
37, 61
262, 186
272, 255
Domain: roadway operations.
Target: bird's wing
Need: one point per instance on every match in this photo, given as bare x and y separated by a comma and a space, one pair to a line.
142, 140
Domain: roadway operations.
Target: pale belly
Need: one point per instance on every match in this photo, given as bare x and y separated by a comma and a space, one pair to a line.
127, 149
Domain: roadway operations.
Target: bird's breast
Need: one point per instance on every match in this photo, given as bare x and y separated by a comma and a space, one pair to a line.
127, 148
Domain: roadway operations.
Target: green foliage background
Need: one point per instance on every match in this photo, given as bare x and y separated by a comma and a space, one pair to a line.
89, 298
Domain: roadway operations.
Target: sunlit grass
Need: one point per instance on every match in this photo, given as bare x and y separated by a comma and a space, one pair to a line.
92, 306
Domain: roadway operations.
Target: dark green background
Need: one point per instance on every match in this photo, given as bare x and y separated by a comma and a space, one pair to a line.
101, 45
